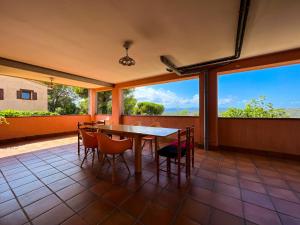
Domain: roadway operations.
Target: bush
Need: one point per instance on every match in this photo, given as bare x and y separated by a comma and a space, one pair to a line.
20, 113
256, 108
149, 108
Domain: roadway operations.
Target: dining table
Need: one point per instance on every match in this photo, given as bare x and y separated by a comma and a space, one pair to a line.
137, 133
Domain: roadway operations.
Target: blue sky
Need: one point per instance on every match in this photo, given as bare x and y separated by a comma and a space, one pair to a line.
280, 85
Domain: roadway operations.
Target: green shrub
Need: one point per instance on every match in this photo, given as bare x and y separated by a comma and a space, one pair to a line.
20, 113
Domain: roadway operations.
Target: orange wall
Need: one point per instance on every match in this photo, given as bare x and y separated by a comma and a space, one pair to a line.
276, 135
168, 121
19, 127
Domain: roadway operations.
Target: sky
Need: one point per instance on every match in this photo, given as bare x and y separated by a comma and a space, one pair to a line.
280, 86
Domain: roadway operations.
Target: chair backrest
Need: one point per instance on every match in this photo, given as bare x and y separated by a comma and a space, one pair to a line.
100, 122
89, 139
183, 135
109, 146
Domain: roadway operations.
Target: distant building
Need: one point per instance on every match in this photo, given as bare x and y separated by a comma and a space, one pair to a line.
21, 94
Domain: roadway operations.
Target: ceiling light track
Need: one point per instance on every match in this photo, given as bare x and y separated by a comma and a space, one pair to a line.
203, 66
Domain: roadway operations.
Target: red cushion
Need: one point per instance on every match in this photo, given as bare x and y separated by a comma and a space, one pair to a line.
183, 144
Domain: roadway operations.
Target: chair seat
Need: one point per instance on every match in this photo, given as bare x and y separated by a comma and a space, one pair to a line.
170, 150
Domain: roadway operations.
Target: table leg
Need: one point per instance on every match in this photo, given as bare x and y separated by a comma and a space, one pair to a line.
138, 153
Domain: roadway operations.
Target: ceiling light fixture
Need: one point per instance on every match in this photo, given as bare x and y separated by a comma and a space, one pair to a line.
51, 85
126, 60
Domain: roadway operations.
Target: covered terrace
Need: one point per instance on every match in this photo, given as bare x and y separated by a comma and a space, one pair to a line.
246, 170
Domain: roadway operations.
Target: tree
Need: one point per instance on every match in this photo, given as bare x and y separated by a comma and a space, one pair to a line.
184, 112
129, 101
256, 108
81, 92
61, 100
104, 102
149, 108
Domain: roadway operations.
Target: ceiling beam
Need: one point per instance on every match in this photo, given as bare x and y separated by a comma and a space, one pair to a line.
51, 72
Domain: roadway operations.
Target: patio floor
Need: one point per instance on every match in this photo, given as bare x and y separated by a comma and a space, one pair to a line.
49, 187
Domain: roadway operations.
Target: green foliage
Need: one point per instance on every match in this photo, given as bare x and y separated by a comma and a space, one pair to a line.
184, 112
19, 113
104, 102
256, 108
67, 100
129, 101
83, 106
81, 92
148, 108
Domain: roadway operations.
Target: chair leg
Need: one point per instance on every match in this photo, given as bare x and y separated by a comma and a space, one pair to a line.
143, 144
113, 169
93, 150
187, 164
78, 145
151, 148
169, 166
179, 173
98, 155
193, 155
85, 156
123, 158
157, 166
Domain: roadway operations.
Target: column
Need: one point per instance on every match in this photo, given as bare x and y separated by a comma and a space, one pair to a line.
92, 104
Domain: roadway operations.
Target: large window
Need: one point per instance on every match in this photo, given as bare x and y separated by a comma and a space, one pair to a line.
265, 93
104, 102
180, 98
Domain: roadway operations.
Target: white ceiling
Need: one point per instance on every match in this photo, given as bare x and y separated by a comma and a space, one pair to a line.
85, 37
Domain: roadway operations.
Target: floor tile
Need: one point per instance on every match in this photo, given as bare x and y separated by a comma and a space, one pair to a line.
219, 217
8, 207
196, 211
74, 220
15, 218
70, 191
33, 196
161, 214
54, 216
252, 186
288, 220
37, 208
283, 194
286, 207
229, 190
96, 212
6, 195
119, 218
28, 187
257, 199
261, 216
81, 200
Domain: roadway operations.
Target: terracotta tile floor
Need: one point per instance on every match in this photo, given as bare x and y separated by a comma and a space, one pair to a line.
49, 187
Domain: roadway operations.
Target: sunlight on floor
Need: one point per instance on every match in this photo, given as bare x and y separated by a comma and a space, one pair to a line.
35, 145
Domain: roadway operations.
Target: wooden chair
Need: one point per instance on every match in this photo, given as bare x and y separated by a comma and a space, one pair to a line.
176, 151
150, 139
84, 126
90, 143
113, 148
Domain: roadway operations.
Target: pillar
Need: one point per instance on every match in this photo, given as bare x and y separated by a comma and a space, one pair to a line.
92, 104
209, 108
116, 105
